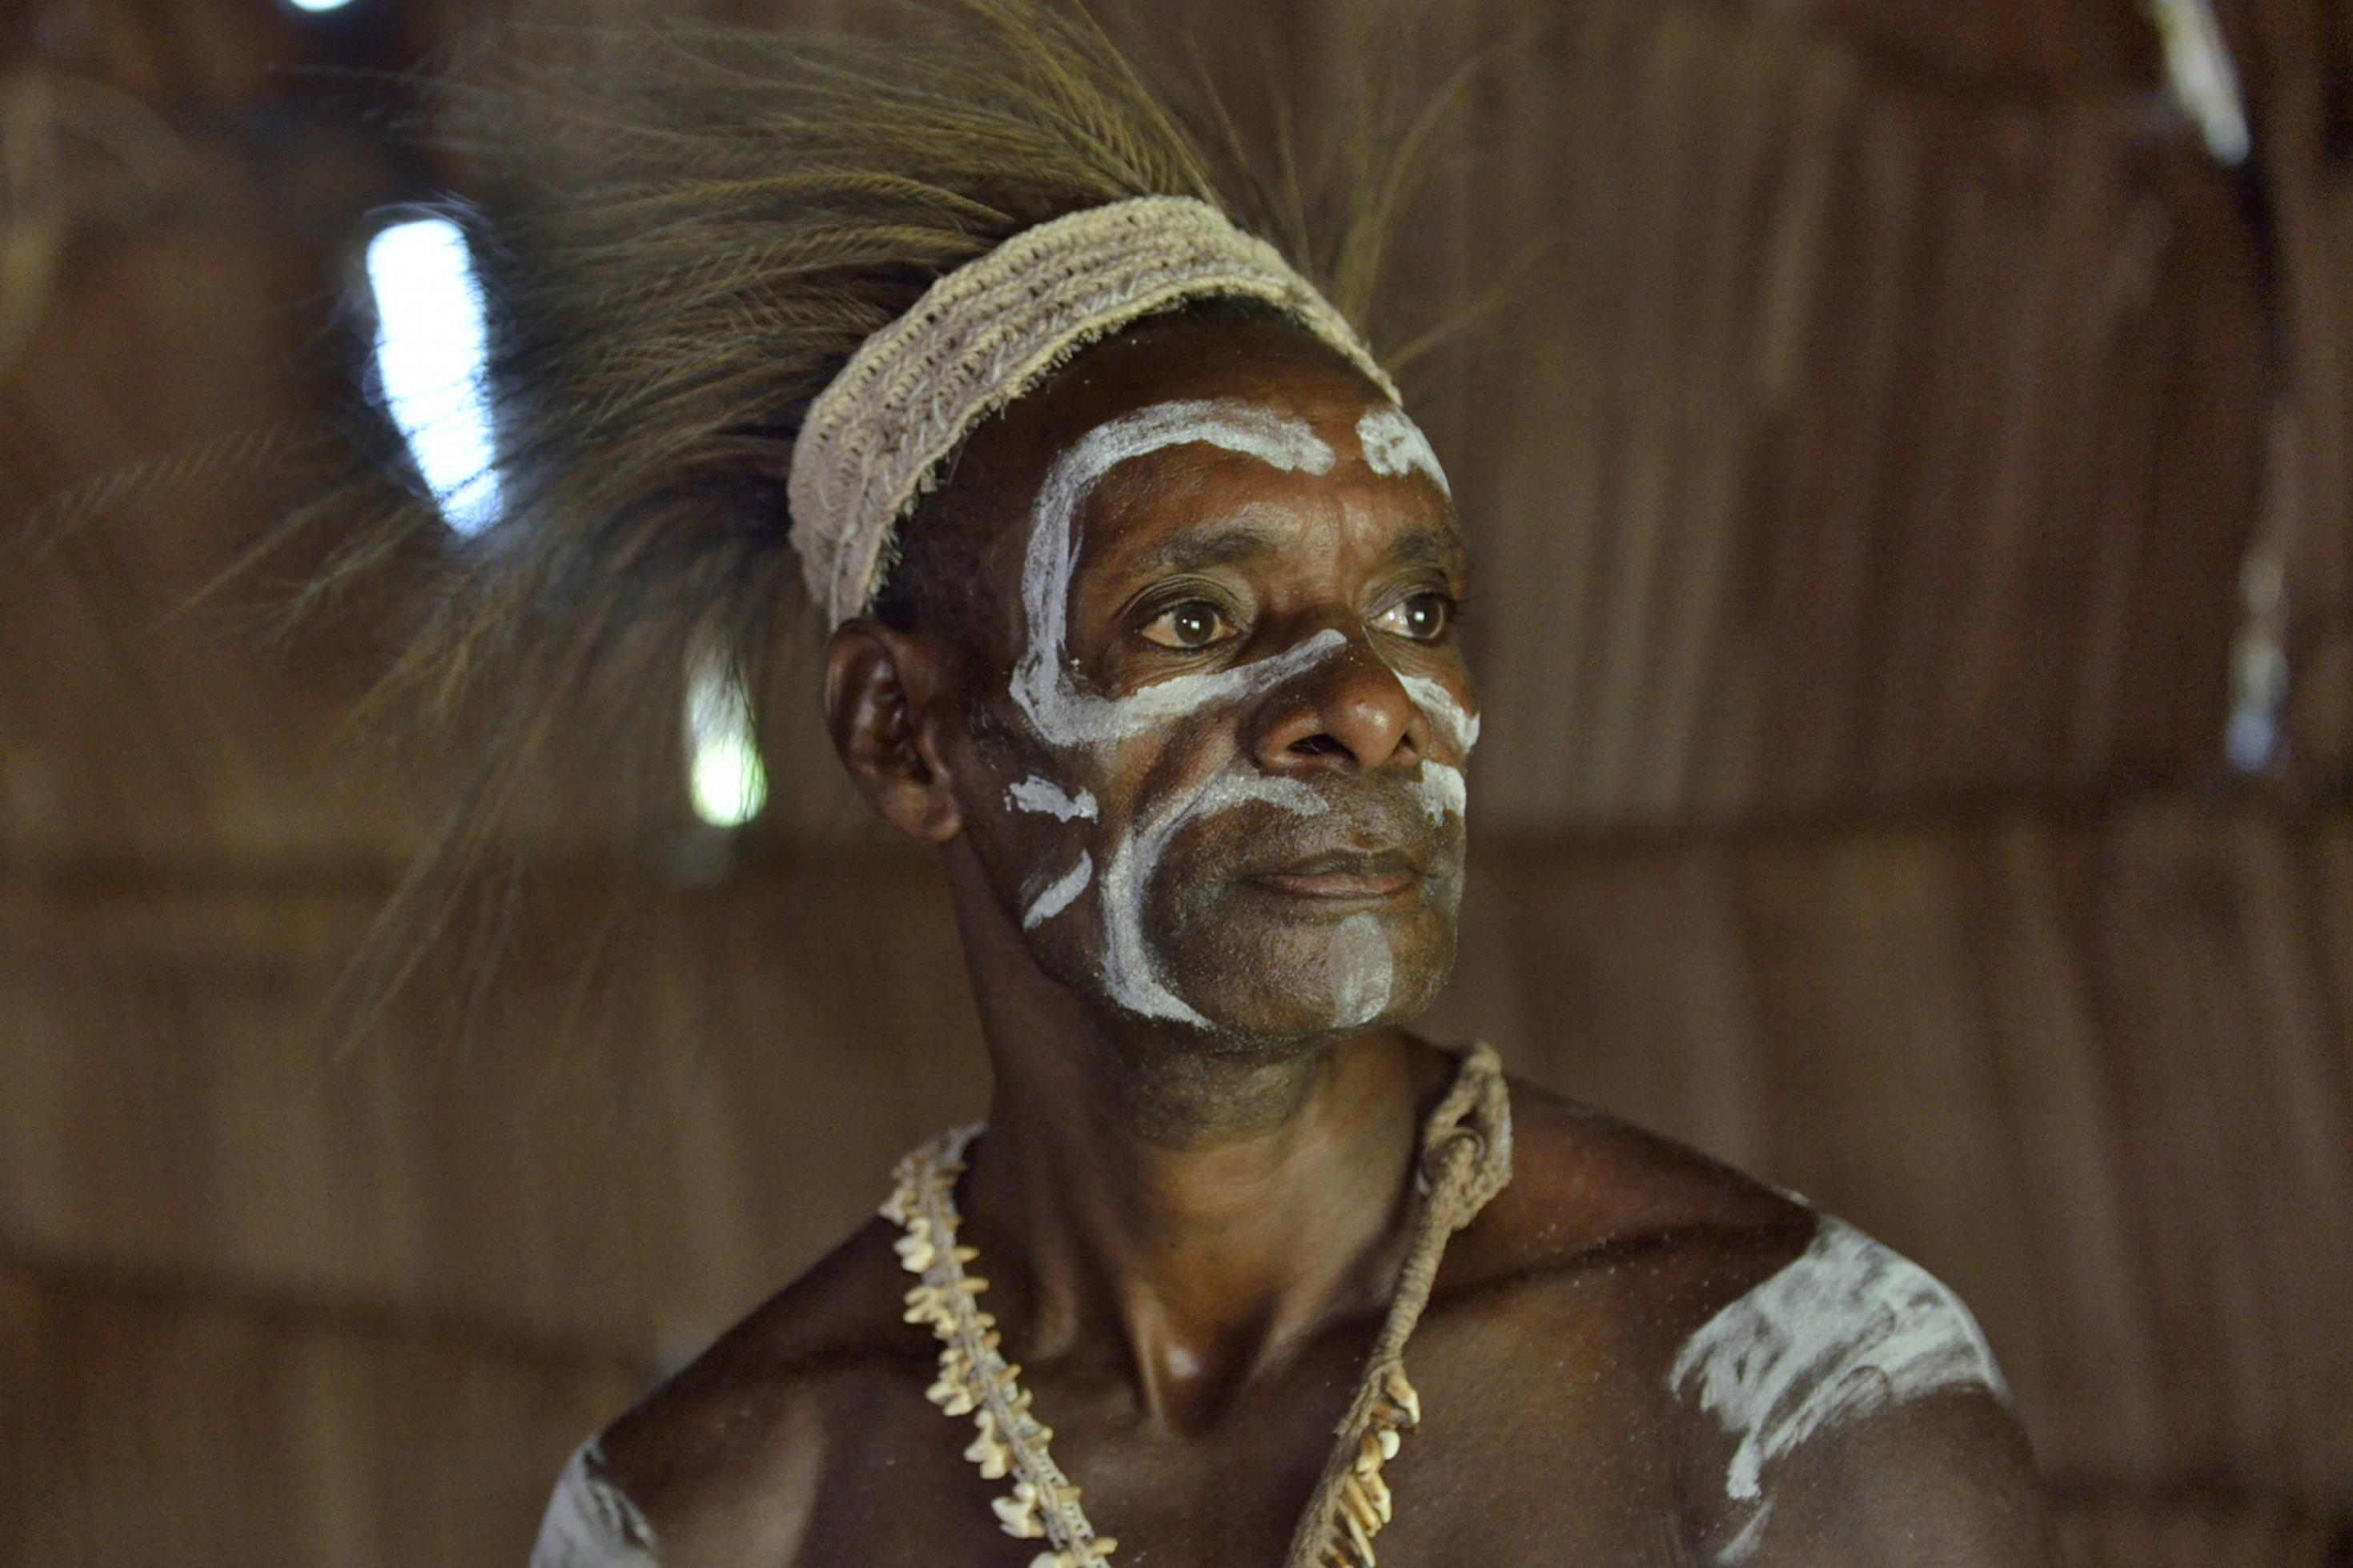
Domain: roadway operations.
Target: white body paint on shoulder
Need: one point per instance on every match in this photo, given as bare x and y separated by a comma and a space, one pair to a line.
1057, 709
1057, 897
1847, 1327
1048, 798
1394, 444
591, 1522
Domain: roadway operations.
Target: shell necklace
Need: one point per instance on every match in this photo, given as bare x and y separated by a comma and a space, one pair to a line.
1465, 1158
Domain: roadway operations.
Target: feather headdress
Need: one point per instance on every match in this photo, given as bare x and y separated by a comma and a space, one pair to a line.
685, 233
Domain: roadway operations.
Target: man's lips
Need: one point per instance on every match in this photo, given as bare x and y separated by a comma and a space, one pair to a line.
1344, 874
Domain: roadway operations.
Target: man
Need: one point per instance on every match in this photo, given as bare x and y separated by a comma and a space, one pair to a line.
1145, 594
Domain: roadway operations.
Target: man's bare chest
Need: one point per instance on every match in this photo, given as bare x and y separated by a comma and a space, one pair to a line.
1531, 1458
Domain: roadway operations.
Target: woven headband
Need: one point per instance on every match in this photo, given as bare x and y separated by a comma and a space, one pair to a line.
984, 334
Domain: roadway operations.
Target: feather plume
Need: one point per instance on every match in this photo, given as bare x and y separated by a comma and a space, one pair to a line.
683, 230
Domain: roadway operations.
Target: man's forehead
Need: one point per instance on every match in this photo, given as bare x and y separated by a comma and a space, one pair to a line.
1013, 475
1196, 504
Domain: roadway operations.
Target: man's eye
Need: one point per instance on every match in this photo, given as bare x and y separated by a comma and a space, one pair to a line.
1422, 618
1194, 624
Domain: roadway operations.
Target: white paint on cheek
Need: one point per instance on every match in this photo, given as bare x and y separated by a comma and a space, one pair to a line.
1846, 1329
1043, 687
1394, 444
1050, 799
1442, 789
1063, 715
1057, 897
1130, 972
1360, 967
1456, 724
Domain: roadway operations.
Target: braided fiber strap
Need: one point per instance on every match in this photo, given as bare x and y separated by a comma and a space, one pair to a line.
874, 439
1466, 1159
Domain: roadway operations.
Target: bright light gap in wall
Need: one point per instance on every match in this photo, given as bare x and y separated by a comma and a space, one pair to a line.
317, 5
2259, 666
2205, 81
725, 778
431, 349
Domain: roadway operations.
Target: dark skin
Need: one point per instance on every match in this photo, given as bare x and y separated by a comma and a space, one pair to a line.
1191, 1232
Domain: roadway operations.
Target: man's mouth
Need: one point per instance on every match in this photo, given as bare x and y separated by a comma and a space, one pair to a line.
1344, 874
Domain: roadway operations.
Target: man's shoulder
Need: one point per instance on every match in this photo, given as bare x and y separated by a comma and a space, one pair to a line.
723, 1456
1685, 1264
1592, 1195
1801, 1364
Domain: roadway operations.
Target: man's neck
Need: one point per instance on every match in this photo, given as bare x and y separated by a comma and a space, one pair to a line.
1196, 1214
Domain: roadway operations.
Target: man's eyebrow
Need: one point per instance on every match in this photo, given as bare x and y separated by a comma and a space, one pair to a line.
1239, 543
1197, 550
1444, 548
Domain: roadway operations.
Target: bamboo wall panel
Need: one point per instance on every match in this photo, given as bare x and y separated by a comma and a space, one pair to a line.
1874, 436
151, 1424
2167, 1533
2303, 51
2095, 1072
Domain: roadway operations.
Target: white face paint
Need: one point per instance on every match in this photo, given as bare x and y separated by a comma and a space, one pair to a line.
1061, 713
1442, 789
1129, 968
1050, 799
1055, 897
1394, 444
1359, 968
1456, 724
1847, 1327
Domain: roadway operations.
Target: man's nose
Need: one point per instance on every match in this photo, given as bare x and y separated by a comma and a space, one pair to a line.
1347, 710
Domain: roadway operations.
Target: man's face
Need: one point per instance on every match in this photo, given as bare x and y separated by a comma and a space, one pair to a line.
1215, 764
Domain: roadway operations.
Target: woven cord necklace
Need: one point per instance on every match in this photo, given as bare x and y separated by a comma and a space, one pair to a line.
1464, 1159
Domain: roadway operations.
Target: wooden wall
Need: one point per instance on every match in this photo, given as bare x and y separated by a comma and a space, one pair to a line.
1860, 478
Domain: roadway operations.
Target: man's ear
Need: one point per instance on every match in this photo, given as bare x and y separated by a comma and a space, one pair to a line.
879, 686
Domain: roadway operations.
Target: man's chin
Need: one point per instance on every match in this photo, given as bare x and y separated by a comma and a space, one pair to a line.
1276, 974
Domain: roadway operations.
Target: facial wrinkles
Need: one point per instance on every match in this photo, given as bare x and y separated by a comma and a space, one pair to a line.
1847, 1327
1130, 971
1394, 444
1043, 687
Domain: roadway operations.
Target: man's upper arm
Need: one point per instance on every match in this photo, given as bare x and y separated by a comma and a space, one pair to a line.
1848, 1411
591, 1522
1945, 1480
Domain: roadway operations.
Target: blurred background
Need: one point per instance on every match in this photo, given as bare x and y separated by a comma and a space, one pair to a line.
1911, 463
